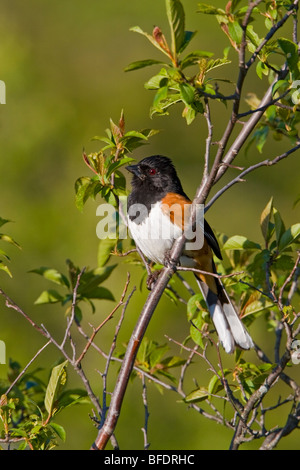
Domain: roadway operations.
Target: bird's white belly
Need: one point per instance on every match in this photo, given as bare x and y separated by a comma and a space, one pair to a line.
155, 235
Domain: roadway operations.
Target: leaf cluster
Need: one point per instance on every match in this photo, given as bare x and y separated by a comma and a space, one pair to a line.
89, 290
26, 417
109, 182
240, 24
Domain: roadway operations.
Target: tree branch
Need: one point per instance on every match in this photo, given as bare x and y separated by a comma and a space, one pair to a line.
240, 177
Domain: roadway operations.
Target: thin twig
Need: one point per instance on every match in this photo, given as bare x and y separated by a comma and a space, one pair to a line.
218, 276
98, 328
288, 280
272, 31
72, 316
249, 170
11, 304
146, 408
112, 348
265, 106
26, 367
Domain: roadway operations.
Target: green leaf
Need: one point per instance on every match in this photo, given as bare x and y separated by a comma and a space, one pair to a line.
157, 81
7, 238
195, 330
173, 361
290, 50
56, 382
92, 279
104, 139
52, 275
261, 137
209, 9
157, 353
262, 69
194, 57
160, 95
188, 36
279, 225
60, 431
239, 242
189, 113
214, 385
118, 164
5, 268
85, 187
50, 296
214, 63
140, 64
137, 29
97, 293
281, 85
265, 220
257, 306
73, 397
166, 104
4, 255
197, 395
253, 37
289, 237
137, 134
176, 18
195, 303
187, 93
105, 247
3, 221
236, 32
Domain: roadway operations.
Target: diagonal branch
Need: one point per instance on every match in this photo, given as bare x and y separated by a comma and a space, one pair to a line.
240, 177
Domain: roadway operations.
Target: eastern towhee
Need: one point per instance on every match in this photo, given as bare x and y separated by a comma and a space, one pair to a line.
154, 227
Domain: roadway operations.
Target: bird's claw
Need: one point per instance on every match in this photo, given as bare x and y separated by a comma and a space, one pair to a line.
152, 278
169, 261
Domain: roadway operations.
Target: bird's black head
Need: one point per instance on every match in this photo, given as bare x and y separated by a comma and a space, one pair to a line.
156, 173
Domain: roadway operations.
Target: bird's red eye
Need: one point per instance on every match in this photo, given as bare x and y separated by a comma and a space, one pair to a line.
152, 171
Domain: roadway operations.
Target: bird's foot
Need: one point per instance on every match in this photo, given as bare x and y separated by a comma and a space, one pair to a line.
169, 262
152, 278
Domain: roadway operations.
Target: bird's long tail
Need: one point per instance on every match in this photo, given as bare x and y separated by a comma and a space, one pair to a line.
230, 328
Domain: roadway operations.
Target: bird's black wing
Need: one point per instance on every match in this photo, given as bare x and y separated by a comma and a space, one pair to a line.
211, 240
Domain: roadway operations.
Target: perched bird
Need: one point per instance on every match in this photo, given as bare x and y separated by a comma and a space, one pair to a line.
156, 217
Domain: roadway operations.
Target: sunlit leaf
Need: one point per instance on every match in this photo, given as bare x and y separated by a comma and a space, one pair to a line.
239, 242
193, 58
140, 64
176, 17
85, 187
52, 275
60, 431
291, 51
8, 239
197, 395
56, 382
289, 237
187, 93
265, 220
235, 31
137, 29
50, 296
209, 9
195, 330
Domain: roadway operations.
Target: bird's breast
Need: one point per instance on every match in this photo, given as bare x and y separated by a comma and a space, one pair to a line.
152, 231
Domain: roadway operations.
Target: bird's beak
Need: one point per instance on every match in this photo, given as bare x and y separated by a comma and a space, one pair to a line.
135, 170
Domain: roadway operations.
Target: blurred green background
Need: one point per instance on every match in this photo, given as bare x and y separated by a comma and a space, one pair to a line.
63, 64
